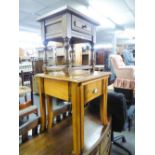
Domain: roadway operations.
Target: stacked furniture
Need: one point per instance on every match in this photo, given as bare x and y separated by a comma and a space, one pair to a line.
82, 132
69, 27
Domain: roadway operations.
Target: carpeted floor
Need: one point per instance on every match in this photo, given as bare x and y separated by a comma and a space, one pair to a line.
130, 136
130, 142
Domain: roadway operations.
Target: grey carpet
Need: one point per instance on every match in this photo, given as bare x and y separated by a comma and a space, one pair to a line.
130, 142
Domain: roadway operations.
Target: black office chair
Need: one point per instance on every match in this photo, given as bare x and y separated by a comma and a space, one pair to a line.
117, 108
130, 100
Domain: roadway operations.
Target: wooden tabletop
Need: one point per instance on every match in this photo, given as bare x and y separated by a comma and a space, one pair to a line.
76, 76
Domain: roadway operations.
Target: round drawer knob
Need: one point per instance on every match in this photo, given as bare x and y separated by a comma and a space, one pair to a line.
95, 90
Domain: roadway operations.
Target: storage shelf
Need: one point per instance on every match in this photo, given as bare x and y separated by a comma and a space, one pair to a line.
93, 131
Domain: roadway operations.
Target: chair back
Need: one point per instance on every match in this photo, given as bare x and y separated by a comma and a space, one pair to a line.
116, 61
117, 108
28, 120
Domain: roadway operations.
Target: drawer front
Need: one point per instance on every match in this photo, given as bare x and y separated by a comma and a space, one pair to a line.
92, 90
53, 26
81, 25
56, 88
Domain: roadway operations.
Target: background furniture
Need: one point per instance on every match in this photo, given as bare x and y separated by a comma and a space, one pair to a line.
25, 78
37, 65
27, 123
26, 86
125, 77
128, 57
124, 82
102, 58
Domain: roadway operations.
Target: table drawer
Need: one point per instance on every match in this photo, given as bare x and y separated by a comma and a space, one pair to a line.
92, 90
57, 89
53, 26
81, 25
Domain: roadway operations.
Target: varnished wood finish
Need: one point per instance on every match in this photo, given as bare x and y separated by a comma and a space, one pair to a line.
78, 76
56, 88
50, 111
92, 90
42, 103
78, 89
98, 137
82, 117
25, 105
58, 140
103, 104
75, 100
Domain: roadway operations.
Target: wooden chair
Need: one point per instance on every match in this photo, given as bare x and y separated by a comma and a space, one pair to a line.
60, 110
25, 85
25, 109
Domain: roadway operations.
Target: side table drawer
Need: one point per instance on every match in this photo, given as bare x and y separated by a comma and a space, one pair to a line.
92, 90
81, 25
56, 88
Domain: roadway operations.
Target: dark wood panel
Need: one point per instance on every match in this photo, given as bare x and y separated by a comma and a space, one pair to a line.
100, 57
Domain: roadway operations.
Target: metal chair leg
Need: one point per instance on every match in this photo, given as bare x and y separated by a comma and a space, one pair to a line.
120, 137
